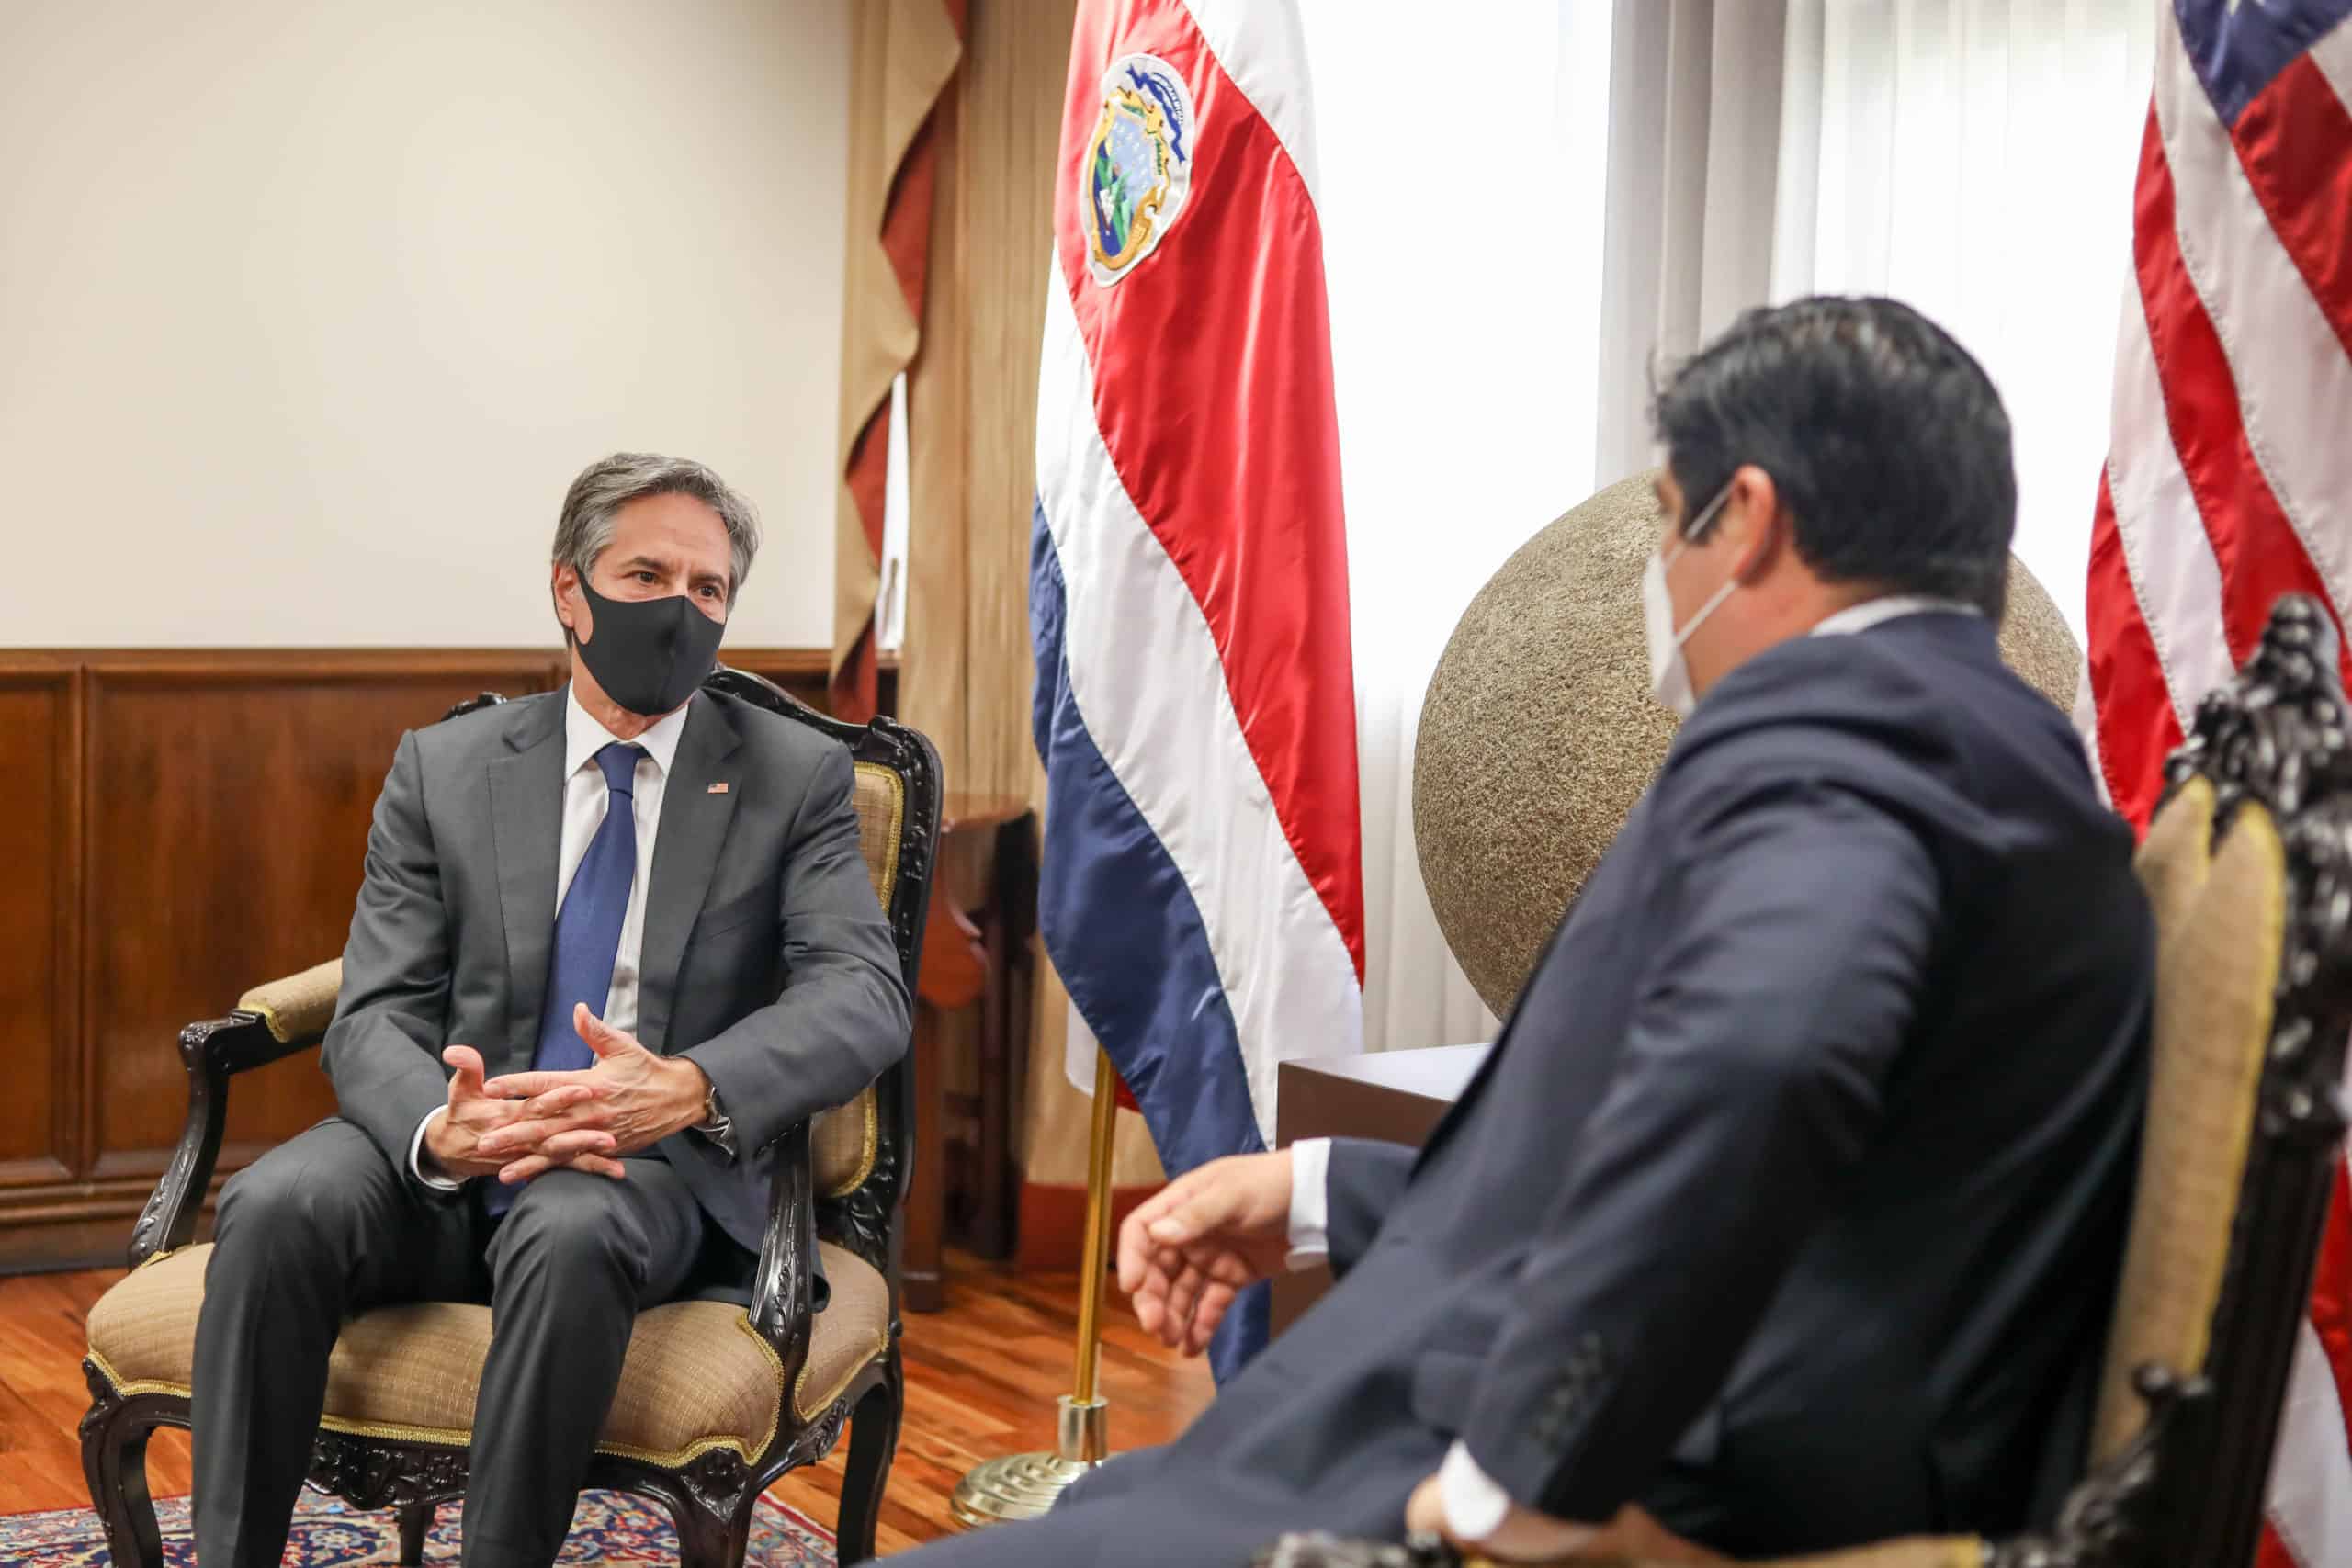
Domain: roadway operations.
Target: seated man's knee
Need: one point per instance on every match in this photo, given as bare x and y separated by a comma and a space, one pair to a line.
306, 1191
565, 1226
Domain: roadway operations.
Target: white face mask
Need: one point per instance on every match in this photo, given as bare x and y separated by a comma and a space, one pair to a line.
1670, 672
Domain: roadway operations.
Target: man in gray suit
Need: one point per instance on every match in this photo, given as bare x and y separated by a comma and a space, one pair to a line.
612, 942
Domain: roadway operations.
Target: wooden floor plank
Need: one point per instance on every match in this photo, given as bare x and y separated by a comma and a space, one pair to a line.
982, 1378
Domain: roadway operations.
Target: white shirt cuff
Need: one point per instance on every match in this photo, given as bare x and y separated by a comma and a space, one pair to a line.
416, 1155
1310, 1202
1475, 1504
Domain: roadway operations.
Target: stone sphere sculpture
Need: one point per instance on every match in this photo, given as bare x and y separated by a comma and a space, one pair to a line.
1539, 732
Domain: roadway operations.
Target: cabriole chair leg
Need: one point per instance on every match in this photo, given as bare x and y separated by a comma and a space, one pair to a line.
705, 1540
873, 1442
416, 1523
114, 1462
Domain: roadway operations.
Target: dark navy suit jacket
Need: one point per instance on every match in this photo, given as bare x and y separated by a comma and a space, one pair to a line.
1790, 1203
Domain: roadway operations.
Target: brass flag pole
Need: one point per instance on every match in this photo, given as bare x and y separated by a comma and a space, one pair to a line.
1022, 1486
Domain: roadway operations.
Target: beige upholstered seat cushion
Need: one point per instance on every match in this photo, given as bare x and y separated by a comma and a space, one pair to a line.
2220, 924
697, 1377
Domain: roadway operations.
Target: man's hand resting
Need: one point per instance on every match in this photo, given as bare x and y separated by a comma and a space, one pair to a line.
1184, 1253
629, 1101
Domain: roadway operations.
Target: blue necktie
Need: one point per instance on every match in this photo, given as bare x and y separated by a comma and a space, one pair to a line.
588, 931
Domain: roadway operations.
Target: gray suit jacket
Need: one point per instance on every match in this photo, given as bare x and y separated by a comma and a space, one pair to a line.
766, 958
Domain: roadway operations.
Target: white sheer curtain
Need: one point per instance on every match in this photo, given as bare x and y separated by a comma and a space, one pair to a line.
1694, 107
1528, 205
1462, 160
1971, 157
1975, 158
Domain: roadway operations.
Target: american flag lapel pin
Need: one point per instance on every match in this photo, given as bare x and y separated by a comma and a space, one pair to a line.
719, 788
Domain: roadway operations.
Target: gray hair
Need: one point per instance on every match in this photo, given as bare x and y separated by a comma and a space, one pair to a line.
603, 487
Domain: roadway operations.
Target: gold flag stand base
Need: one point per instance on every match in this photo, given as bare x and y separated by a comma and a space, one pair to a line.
1023, 1486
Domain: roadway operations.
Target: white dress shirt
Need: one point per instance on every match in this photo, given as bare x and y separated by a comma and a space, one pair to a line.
1475, 1504
1870, 613
585, 794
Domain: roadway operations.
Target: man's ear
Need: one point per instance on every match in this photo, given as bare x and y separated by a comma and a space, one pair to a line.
563, 585
1754, 518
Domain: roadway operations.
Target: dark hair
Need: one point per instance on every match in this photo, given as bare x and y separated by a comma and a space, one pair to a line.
1887, 444
591, 506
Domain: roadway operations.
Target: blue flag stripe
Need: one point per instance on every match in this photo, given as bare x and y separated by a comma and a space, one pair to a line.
1161, 1009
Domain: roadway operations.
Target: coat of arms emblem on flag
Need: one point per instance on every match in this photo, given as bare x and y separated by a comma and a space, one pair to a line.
1138, 167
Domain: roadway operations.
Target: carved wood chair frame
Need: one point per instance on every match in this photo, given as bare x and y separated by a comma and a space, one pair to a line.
710, 1497
2190, 1488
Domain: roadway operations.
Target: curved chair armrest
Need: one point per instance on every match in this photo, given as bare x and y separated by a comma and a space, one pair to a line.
297, 1009
784, 1288
271, 1021
211, 1052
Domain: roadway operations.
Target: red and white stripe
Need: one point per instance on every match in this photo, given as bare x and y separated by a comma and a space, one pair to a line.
2229, 482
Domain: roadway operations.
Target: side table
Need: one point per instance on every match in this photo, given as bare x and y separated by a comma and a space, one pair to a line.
1396, 1096
975, 953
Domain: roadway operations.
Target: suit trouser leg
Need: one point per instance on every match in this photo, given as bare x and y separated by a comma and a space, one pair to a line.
320, 1226
571, 1265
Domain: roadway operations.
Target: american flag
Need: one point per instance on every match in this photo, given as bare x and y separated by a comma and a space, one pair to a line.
2229, 482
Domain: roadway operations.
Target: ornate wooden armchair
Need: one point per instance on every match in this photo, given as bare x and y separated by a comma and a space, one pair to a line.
2248, 865
715, 1401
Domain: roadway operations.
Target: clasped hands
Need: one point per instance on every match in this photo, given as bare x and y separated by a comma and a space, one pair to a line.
525, 1124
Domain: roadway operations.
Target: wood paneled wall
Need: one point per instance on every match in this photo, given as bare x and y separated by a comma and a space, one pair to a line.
176, 826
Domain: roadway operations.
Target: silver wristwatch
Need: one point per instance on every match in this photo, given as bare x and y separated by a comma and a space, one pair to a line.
714, 1124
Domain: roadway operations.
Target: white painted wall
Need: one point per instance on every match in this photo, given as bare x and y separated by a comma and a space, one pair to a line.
309, 312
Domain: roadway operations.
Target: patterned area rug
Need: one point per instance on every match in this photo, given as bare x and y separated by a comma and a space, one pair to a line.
611, 1527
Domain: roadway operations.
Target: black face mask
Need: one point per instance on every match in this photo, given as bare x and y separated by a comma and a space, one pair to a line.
649, 654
